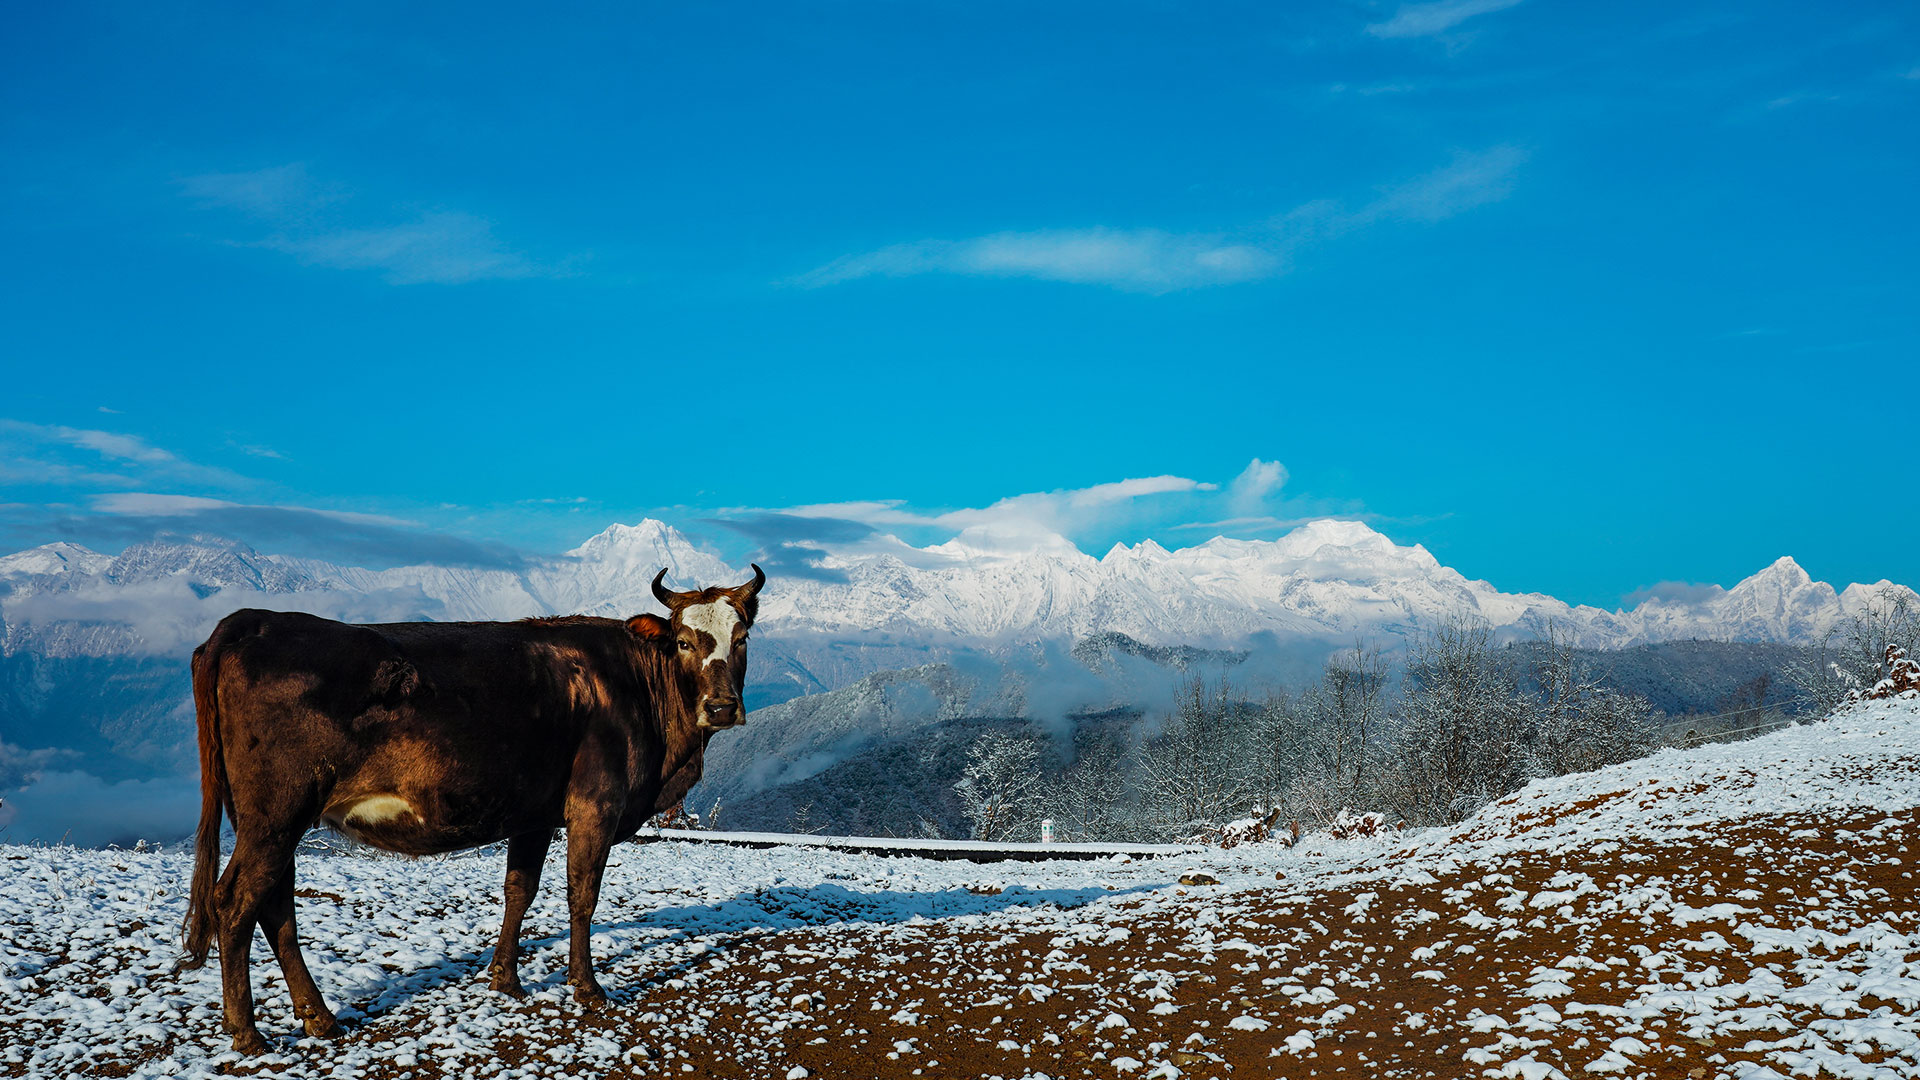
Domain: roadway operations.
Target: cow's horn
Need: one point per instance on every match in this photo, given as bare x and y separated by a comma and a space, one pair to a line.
752, 588
662, 593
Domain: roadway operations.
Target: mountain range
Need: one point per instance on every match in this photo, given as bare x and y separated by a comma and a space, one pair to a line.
93, 646
1328, 579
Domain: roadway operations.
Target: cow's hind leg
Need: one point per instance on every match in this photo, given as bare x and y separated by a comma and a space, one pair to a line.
588, 842
526, 854
251, 874
276, 918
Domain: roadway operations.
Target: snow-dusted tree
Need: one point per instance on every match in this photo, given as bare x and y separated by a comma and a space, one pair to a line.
1319, 749
1854, 657
801, 820
1346, 712
1464, 737
1196, 774
1285, 761
1089, 799
1000, 786
1578, 722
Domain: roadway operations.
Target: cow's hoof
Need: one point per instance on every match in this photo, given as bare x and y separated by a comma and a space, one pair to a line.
590, 997
250, 1043
323, 1026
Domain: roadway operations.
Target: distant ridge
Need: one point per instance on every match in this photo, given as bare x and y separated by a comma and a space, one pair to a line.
1327, 579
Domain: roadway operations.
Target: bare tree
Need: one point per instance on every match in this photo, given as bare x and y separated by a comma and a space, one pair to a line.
1854, 656
1320, 749
1089, 800
1465, 731
1195, 774
800, 821
1346, 710
1578, 723
1000, 786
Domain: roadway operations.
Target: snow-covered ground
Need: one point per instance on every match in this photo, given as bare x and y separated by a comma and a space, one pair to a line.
1743, 910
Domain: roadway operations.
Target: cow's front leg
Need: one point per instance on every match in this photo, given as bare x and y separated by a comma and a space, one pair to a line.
526, 854
589, 838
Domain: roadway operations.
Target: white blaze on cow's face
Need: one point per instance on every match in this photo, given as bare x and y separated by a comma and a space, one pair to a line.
712, 641
717, 621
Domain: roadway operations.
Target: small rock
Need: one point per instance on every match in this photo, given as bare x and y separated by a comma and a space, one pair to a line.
1195, 877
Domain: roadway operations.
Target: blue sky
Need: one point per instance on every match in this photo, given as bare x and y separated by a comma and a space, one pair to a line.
1582, 297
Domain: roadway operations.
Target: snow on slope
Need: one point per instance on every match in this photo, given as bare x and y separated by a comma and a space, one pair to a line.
1737, 911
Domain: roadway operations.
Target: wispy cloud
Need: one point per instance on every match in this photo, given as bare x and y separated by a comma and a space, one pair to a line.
804, 539
354, 538
1255, 485
317, 223
76, 807
1055, 511
1680, 593
1426, 20
371, 540
1143, 260
440, 248
1470, 180
277, 194
797, 545
162, 505
41, 454
1158, 261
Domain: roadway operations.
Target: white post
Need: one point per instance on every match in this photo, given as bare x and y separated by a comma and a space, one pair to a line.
1046, 830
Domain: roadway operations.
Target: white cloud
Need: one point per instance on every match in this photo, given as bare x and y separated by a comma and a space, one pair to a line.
1030, 521
167, 617
312, 222
1053, 511
439, 248
1473, 178
1250, 489
1121, 490
277, 193
158, 505
1140, 260
80, 808
136, 502
127, 450
1156, 261
1470, 180
1425, 20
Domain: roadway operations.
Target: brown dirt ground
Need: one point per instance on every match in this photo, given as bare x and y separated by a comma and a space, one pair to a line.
946, 998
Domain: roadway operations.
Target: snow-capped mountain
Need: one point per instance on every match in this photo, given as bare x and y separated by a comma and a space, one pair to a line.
1325, 580
93, 648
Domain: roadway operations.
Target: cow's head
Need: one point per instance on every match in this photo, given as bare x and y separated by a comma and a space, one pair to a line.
707, 633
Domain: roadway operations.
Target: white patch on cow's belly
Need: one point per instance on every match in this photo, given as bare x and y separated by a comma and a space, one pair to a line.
377, 809
717, 619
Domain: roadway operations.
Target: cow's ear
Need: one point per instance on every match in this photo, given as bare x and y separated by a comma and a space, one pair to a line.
650, 628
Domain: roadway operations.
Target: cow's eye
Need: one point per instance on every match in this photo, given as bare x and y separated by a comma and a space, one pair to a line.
686, 646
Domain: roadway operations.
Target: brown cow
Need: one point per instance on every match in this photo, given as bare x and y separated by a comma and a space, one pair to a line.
430, 737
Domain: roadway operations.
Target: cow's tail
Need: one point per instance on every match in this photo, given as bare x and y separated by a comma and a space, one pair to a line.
197, 932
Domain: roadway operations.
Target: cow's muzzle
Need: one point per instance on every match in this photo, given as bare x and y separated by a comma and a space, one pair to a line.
721, 714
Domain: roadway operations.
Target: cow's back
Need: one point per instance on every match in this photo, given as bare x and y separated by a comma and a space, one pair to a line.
417, 737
